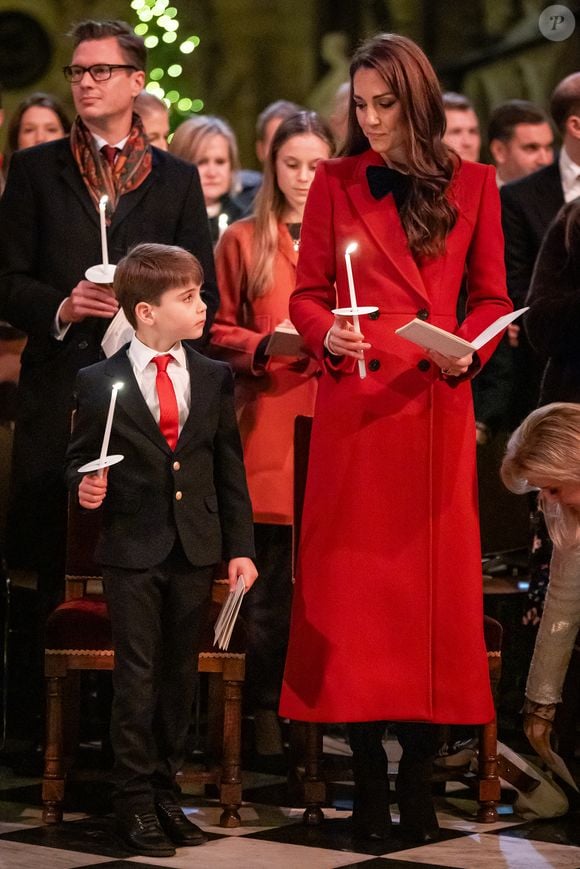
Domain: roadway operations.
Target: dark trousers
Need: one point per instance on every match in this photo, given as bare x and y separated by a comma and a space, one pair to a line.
266, 612
371, 782
157, 615
418, 741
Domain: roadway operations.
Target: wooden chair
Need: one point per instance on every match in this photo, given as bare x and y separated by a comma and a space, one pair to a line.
485, 783
78, 637
307, 777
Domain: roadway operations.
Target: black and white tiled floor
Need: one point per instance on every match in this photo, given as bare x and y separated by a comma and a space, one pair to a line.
272, 835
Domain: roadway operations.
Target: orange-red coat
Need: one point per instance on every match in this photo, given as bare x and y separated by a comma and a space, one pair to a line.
268, 399
387, 619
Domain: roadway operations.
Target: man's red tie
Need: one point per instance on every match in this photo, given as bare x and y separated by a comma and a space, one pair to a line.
109, 152
168, 411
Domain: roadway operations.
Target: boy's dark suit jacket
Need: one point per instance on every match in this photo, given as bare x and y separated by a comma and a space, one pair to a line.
143, 512
50, 235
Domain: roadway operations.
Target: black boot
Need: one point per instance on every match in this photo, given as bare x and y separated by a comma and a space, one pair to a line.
371, 818
370, 812
413, 786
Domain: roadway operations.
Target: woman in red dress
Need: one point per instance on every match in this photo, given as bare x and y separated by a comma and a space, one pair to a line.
387, 620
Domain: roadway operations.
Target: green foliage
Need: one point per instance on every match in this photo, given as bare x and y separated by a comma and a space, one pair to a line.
169, 55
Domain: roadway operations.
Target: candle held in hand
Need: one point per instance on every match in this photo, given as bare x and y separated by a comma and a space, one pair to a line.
109, 425
103, 212
353, 301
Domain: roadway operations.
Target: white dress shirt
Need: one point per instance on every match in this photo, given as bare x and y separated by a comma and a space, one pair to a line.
570, 175
99, 141
145, 371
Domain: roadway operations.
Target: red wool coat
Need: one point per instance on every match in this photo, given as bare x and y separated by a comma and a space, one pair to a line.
387, 619
267, 399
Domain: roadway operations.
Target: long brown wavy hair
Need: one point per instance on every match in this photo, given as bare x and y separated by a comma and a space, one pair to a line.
270, 201
427, 214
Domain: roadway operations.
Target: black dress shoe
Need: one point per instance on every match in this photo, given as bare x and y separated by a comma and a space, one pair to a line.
141, 832
418, 823
177, 826
416, 834
362, 829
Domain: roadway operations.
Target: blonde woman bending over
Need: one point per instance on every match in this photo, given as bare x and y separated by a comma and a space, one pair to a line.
544, 454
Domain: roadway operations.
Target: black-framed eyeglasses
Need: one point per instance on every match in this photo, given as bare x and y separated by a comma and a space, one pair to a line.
97, 71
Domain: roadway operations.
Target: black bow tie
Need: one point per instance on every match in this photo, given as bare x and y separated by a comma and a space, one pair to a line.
384, 180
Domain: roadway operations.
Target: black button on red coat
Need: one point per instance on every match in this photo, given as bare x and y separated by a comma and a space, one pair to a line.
423, 365
423, 314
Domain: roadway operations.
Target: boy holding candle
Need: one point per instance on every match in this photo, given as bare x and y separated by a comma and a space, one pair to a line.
174, 507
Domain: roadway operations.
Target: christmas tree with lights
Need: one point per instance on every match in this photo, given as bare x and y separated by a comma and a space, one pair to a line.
168, 51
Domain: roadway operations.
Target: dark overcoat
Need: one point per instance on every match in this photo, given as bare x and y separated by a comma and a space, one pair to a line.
553, 321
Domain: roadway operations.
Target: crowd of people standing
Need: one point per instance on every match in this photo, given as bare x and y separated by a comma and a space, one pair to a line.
391, 498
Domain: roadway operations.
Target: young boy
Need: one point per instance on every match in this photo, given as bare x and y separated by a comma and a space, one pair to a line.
173, 508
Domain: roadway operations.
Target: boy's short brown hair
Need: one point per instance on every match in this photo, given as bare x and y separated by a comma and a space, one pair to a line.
149, 270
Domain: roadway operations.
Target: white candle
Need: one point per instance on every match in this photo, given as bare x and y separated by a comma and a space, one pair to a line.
353, 302
102, 210
222, 224
109, 425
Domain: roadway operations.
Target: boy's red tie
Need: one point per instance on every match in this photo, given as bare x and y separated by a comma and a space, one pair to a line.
168, 411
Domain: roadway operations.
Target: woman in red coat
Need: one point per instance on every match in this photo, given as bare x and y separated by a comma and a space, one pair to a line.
256, 271
387, 620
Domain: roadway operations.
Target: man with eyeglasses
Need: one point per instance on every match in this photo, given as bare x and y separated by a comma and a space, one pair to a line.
50, 235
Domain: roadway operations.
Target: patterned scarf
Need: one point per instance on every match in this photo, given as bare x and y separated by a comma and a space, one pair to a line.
131, 168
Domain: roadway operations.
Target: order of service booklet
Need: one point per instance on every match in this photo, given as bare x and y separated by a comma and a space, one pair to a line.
284, 341
226, 620
434, 338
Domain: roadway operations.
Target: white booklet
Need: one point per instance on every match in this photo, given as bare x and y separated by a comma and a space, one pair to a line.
226, 620
434, 338
284, 341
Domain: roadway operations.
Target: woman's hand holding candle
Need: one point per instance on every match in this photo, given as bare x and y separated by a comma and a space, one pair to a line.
344, 340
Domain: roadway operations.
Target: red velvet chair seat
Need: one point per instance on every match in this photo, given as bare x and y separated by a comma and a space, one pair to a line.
83, 623
80, 624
